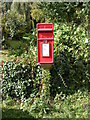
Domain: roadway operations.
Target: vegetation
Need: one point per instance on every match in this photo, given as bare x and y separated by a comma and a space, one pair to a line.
62, 91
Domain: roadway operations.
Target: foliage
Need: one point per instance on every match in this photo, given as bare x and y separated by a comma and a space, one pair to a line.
70, 58
18, 81
42, 105
11, 109
65, 11
15, 24
24, 9
39, 106
15, 48
60, 91
30, 38
72, 106
11, 84
37, 13
16, 19
22, 46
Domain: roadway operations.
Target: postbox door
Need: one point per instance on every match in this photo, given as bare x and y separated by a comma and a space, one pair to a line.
45, 39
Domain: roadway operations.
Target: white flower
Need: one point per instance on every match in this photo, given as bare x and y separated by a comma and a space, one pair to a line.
23, 65
33, 33
86, 40
83, 9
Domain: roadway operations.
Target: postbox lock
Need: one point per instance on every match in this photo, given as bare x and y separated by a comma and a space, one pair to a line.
45, 41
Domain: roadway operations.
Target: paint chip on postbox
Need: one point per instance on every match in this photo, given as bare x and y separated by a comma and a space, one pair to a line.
45, 50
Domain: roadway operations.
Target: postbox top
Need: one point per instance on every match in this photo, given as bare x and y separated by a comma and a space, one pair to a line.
45, 26
44, 23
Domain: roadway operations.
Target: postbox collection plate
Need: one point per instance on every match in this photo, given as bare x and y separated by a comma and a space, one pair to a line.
45, 43
45, 50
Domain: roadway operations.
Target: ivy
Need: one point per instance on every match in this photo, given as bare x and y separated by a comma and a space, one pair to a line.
17, 81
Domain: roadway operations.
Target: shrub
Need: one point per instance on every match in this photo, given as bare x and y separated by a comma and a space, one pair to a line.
72, 106
15, 24
69, 71
18, 81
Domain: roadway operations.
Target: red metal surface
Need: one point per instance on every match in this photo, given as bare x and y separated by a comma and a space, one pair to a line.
45, 31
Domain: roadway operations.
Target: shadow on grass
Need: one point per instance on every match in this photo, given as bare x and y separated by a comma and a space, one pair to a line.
16, 114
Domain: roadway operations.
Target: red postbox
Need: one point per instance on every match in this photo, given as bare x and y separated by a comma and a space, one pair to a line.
45, 43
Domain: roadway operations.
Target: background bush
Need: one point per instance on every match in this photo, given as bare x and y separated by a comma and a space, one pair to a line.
15, 25
18, 81
70, 68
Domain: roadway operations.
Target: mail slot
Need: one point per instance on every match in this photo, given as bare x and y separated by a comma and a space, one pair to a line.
45, 43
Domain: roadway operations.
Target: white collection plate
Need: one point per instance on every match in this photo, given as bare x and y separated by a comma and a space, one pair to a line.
45, 50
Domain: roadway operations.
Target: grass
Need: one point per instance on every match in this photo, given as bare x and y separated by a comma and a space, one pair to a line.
3, 55
10, 109
15, 113
16, 48
73, 106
